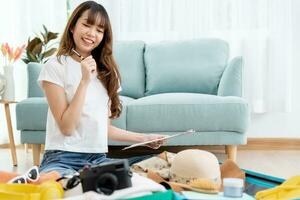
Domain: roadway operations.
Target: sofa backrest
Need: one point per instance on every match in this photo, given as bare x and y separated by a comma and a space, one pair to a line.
194, 66
129, 56
187, 66
33, 71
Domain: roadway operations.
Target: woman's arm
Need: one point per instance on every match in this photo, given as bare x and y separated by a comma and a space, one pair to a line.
118, 134
66, 115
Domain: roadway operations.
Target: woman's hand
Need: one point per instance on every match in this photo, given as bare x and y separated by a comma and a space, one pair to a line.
88, 66
154, 145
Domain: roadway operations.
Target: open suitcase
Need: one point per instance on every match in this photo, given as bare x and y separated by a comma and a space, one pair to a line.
255, 182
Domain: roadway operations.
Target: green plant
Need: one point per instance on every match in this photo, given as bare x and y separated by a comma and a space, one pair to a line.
39, 48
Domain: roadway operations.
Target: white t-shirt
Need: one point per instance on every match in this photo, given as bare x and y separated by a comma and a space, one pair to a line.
90, 136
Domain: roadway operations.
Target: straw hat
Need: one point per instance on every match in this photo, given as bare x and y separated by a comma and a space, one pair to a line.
193, 164
195, 170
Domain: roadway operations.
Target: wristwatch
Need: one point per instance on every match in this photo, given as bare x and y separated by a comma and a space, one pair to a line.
2, 84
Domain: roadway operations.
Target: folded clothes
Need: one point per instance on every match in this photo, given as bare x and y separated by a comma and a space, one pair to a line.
203, 168
46, 190
289, 189
140, 186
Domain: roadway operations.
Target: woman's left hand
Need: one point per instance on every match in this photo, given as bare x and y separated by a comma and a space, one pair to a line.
154, 145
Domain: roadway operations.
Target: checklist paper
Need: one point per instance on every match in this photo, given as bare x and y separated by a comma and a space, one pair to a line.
163, 138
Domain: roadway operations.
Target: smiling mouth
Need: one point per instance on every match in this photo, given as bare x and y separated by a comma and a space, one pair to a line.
88, 41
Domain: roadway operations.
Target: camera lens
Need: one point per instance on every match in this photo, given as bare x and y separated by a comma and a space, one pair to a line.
106, 183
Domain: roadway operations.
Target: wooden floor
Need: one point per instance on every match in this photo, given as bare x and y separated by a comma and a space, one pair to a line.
283, 164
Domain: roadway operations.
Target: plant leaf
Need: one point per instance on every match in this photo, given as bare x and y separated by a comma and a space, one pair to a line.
52, 36
25, 60
33, 43
45, 61
31, 57
46, 31
44, 38
37, 49
49, 53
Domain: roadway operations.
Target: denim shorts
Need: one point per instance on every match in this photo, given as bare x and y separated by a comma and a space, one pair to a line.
68, 163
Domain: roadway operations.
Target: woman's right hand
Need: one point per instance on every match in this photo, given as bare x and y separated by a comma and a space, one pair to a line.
88, 67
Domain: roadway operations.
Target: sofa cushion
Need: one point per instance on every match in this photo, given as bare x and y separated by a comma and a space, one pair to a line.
130, 60
182, 111
33, 70
121, 121
194, 66
232, 79
31, 114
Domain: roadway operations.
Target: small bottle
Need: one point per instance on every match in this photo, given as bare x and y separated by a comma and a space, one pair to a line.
233, 187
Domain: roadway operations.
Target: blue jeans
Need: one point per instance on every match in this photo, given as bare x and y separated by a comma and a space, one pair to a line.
68, 163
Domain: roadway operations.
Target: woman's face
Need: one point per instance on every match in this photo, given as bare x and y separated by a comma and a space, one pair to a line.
87, 36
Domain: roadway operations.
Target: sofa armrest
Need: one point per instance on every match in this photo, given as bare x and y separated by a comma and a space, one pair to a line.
231, 83
31, 114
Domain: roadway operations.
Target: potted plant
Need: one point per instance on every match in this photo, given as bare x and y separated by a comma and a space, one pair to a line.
39, 48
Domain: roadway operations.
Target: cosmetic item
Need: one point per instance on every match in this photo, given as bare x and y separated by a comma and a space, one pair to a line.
233, 187
78, 54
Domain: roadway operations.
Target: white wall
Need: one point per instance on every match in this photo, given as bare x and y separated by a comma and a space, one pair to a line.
284, 124
19, 30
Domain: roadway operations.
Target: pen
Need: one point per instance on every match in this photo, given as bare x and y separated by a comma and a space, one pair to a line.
78, 54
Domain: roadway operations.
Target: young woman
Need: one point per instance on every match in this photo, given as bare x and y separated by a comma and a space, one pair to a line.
81, 85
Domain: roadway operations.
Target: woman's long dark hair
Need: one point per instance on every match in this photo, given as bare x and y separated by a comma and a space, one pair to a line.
108, 72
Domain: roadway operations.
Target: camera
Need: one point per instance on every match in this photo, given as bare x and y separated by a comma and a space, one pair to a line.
106, 177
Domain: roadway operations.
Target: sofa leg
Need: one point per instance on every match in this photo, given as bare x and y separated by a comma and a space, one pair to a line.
42, 148
231, 151
36, 152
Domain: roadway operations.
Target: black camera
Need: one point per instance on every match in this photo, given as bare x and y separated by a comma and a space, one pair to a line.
106, 177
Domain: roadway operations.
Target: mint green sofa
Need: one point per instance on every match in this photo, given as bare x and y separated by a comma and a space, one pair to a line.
167, 87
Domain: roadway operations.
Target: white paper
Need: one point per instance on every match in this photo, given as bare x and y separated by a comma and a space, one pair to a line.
159, 139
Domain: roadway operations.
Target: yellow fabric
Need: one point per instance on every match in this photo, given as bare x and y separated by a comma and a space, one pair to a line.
290, 189
46, 191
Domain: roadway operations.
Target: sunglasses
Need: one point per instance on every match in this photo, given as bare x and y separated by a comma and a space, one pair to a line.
32, 175
70, 181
